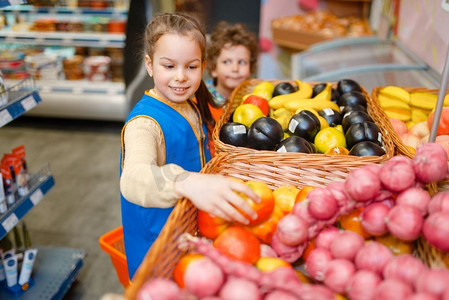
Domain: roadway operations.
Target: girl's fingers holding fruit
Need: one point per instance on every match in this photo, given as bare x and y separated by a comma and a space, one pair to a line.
231, 212
241, 204
243, 188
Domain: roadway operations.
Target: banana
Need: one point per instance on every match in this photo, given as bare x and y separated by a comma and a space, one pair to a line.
295, 104
400, 114
395, 92
304, 91
393, 103
325, 94
418, 116
426, 100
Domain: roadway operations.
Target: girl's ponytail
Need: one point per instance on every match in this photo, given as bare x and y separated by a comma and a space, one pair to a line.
204, 98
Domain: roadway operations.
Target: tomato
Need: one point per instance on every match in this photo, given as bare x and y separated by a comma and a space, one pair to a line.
353, 222
181, 266
265, 230
209, 226
285, 198
239, 244
303, 193
266, 205
443, 125
258, 101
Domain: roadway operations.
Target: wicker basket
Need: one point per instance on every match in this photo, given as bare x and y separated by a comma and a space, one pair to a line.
317, 165
400, 147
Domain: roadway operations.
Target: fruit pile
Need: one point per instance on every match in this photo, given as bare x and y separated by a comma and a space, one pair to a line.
305, 118
311, 252
411, 114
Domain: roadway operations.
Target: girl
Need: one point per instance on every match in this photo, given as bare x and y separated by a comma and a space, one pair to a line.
232, 57
163, 140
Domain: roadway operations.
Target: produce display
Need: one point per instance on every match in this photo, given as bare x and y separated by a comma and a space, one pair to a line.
307, 118
351, 238
410, 112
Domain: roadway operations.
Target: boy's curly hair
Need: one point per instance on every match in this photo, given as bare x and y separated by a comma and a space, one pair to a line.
237, 34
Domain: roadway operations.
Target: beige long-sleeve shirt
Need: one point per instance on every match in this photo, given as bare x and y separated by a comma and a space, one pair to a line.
146, 179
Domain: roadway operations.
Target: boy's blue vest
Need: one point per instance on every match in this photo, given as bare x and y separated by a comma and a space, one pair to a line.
142, 225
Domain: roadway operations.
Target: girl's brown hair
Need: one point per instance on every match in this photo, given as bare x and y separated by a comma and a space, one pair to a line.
234, 35
181, 24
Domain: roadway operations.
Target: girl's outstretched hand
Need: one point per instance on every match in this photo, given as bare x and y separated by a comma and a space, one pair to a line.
217, 195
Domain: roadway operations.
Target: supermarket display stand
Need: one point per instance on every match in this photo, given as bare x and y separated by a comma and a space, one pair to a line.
55, 268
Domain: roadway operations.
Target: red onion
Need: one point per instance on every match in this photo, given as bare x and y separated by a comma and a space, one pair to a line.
346, 245
416, 197
338, 190
362, 285
326, 236
375, 168
362, 185
286, 252
315, 291
430, 163
159, 288
393, 289
338, 273
322, 204
445, 295
439, 202
300, 209
436, 230
373, 218
317, 262
239, 288
279, 295
292, 230
405, 222
422, 296
203, 277
267, 251
373, 256
404, 267
397, 174
433, 281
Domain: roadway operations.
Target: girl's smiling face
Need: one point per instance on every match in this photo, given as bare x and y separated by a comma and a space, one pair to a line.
176, 67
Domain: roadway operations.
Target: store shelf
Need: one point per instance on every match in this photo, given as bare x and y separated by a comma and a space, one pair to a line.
6, 3
29, 9
22, 97
55, 270
39, 185
81, 39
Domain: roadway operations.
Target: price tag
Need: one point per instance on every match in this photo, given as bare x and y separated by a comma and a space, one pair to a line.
28, 103
10, 222
5, 117
36, 197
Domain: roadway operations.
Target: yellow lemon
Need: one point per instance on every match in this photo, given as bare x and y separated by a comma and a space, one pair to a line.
246, 114
328, 138
264, 86
285, 197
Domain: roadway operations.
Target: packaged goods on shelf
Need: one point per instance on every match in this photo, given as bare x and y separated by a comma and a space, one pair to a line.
3, 91
96, 68
43, 66
12, 65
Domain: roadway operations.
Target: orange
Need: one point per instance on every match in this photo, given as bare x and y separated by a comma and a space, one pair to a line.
353, 222
269, 264
238, 244
303, 278
265, 230
181, 266
397, 246
209, 226
303, 193
285, 198
337, 150
310, 247
266, 205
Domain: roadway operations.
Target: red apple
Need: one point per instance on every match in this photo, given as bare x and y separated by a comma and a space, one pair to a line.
258, 101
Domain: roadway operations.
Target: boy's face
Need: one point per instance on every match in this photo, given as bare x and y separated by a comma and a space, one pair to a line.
233, 67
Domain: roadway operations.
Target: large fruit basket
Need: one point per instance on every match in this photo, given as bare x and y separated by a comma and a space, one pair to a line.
164, 254
319, 168
400, 147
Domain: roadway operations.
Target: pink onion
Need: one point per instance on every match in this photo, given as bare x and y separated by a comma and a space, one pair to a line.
422, 296
430, 163
292, 230
286, 252
326, 236
439, 202
203, 277
267, 251
279, 295
338, 273
393, 289
405, 222
375, 168
338, 190
159, 288
316, 291
436, 230
346, 245
373, 218
239, 288
300, 209
317, 262
373, 256
416, 197
404, 267
322, 204
362, 285
397, 174
433, 281
362, 185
